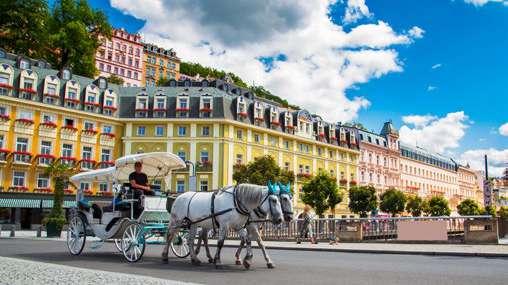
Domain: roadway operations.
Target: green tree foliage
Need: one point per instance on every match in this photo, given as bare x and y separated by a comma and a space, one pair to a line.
260, 171
163, 81
438, 206
192, 69
490, 210
355, 124
115, 79
76, 29
23, 27
59, 173
362, 200
321, 193
392, 201
414, 205
503, 212
468, 207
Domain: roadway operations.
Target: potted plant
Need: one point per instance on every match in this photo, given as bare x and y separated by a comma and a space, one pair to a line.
59, 172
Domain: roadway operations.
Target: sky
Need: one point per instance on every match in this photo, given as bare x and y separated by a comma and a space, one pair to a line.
436, 68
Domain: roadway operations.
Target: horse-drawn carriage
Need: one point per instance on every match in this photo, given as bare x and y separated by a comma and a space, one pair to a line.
117, 220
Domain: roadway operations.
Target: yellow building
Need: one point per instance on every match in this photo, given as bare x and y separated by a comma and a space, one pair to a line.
159, 63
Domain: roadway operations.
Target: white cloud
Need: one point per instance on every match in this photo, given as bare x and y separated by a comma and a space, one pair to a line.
322, 60
497, 159
434, 133
431, 88
479, 3
356, 10
416, 32
437, 65
503, 129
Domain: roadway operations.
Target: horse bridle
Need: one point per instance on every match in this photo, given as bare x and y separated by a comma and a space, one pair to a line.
284, 211
260, 212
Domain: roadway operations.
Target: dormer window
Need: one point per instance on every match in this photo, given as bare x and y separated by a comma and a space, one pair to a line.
258, 112
241, 108
182, 106
103, 84
274, 116
142, 106
28, 85
51, 90
205, 108
72, 94
91, 101
109, 106
6, 78
331, 133
66, 74
159, 106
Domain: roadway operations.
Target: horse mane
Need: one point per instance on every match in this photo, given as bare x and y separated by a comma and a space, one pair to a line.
250, 194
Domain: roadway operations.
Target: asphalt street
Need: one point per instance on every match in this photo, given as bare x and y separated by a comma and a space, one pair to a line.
292, 267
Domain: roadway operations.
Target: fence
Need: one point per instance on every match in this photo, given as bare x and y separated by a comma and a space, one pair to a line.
373, 229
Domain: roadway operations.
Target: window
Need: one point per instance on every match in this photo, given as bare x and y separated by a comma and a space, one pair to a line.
107, 129
239, 134
205, 131
141, 130
22, 145
160, 103
203, 185
67, 150
286, 166
307, 169
103, 187
18, 179
109, 101
1, 141
182, 131
66, 74
25, 115
180, 186
256, 138
286, 144
45, 147
181, 154
69, 122
159, 131
84, 186
48, 118
24, 64
89, 126
203, 157
51, 89
42, 180
87, 152
239, 158
106, 154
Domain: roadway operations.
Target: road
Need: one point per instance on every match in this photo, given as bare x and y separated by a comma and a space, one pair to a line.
293, 267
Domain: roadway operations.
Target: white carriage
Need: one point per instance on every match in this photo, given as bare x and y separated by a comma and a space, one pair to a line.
117, 220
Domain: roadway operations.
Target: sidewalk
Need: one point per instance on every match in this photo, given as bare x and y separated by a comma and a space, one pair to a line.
479, 250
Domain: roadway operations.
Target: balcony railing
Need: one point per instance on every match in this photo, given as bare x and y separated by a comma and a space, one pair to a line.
45, 159
22, 157
68, 160
105, 164
87, 163
3, 154
43, 190
204, 166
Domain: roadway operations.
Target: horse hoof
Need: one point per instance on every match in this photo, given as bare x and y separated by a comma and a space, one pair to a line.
270, 265
238, 262
195, 262
165, 260
218, 266
210, 260
246, 264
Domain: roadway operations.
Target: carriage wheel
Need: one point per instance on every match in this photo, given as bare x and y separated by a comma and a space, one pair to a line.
180, 244
133, 242
76, 235
118, 244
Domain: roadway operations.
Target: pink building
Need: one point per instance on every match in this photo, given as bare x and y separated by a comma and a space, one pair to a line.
121, 56
379, 158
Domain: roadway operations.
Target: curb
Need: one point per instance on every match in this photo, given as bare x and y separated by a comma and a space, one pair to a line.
373, 251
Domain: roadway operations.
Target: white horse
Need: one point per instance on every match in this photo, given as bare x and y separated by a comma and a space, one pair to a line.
261, 214
227, 209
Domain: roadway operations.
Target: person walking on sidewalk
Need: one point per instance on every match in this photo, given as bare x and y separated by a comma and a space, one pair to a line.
306, 226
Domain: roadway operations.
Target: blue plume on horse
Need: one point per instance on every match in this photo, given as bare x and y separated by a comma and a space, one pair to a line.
285, 189
271, 188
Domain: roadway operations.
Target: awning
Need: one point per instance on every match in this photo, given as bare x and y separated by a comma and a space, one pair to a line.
66, 204
20, 203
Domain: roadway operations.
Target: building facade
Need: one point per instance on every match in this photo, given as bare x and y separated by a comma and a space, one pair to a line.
379, 158
159, 64
121, 56
469, 185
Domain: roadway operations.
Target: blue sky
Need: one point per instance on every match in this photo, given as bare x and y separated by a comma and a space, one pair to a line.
458, 63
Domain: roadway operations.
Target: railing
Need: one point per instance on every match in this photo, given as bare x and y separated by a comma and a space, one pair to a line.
374, 229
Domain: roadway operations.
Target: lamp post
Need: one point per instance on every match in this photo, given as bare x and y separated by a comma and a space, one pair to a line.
192, 176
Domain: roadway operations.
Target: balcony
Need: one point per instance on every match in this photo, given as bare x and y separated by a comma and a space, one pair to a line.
27, 93
141, 112
72, 103
68, 160
89, 132
105, 164
43, 190
3, 155
49, 98
159, 112
6, 89
205, 112
22, 157
87, 164
108, 110
204, 166
22, 122
182, 112
92, 107
45, 159
17, 189
48, 125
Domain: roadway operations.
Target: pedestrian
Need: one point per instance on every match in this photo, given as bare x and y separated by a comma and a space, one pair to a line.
306, 226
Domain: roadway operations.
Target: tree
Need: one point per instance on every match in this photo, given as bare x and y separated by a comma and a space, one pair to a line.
23, 28
362, 200
163, 81
392, 201
468, 207
438, 206
414, 205
503, 212
76, 32
115, 79
260, 171
490, 210
59, 173
321, 193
